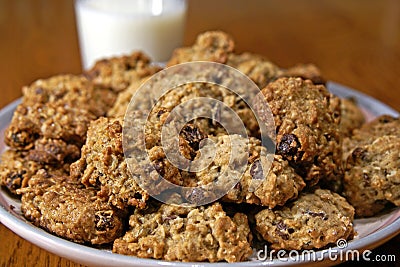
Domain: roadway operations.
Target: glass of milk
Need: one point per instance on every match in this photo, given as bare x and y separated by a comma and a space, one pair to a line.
116, 27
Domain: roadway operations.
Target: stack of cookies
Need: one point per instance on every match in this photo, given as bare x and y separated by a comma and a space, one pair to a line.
66, 161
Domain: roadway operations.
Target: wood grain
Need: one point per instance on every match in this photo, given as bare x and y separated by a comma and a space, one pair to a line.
354, 42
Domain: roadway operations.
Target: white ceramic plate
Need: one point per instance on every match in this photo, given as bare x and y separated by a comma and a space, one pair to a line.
372, 232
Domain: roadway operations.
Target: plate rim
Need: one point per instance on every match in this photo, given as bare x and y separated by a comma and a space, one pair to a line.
92, 256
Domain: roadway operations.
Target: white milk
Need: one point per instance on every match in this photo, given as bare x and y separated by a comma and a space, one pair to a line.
115, 27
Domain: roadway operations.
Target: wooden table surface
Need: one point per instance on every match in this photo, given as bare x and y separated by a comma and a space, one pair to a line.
355, 42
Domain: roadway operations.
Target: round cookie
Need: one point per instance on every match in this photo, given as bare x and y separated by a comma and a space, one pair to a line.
67, 209
117, 73
380, 126
176, 233
314, 220
70, 91
372, 176
209, 46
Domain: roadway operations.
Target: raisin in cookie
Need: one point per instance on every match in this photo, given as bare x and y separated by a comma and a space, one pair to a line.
187, 234
380, 126
314, 220
148, 162
217, 102
269, 187
372, 175
17, 167
66, 208
307, 121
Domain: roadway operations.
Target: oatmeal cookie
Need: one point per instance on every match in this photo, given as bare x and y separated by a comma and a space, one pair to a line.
262, 71
258, 69
32, 122
66, 208
103, 165
57, 109
352, 116
118, 73
256, 186
69, 90
314, 220
53, 155
209, 46
307, 121
380, 126
187, 234
16, 168
372, 175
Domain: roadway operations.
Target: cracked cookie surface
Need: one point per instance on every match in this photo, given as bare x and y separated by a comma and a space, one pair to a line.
314, 220
210, 46
117, 73
67, 209
187, 234
102, 165
371, 173
307, 121
258, 184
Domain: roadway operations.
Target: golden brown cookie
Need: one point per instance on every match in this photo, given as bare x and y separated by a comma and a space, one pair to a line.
69, 91
187, 234
380, 126
307, 121
372, 175
314, 220
117, 73
16, 168
102, 165
209, 46
257, 68
270, 187
30, 123
67, 209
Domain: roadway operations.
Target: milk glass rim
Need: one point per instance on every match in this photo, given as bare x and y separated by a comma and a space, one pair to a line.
180, 4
